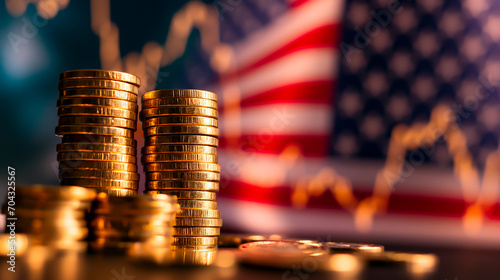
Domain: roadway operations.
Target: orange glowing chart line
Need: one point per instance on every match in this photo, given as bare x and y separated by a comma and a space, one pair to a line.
479, 196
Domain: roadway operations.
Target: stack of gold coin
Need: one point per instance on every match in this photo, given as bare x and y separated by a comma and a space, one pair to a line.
180, 158
51, 215
97, 112
117, 223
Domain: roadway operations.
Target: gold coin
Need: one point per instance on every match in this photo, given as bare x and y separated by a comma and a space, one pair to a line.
183, 185
101, 93
116, 192
93, 120
202, 195
192, 247
85, 173
341, 247
195, 241
161, 102
95, 156
183, 175
179, 93
173, 166
200, 213
196, 149
96, 111
100, 183
152, 158
97, 83
179, 111
101, 74
181, 129
196, 231
182, 139
198, 222
96, 147
180, 120
103, 139
87, 129
42, 192
200, 204
96, 165
104, 102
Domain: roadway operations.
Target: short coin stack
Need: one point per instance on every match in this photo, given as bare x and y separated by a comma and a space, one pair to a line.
180, 158
117, 223
51, 215
97, 112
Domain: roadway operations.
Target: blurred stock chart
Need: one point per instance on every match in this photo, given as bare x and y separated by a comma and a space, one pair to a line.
370, 120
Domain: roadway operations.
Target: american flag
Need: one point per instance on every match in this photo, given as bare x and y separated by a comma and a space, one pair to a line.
313, 94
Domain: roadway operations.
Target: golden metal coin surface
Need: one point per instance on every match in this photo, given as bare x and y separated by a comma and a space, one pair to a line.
183, 175
198, 222
196, 231
96, 147
188, 166
103, 139
78, 110
101, 74
180, 120
101, 93
196, 149
165, 102
86, 173
200, 241
202, 195
97, 83
182, 139
341, 247
179, 93
116, 192
55, 192
179, 111
95, 156
181, 129
166, 157
94, 120
105, 102
200, 204
100, 183
101, 130
183, 185
199, 213
67, 166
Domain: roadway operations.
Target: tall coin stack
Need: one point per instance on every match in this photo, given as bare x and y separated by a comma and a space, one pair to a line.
97, 112
52, 216
180, 158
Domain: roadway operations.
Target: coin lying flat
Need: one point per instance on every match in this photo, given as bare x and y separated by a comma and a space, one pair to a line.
197, 149
198, 222
182, 139
78, 110
95, 156
183, 185
97, 83
100, 130
152, 158
105, 102
101, 93
179, 93
200, 241
96, 147
96, 120
182, 129
196, 231
180, 111
340, 247
199, 204
185, 166
103, 139
101, 74
160, 102
183, 175
200, 195
180, 120
115, 175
